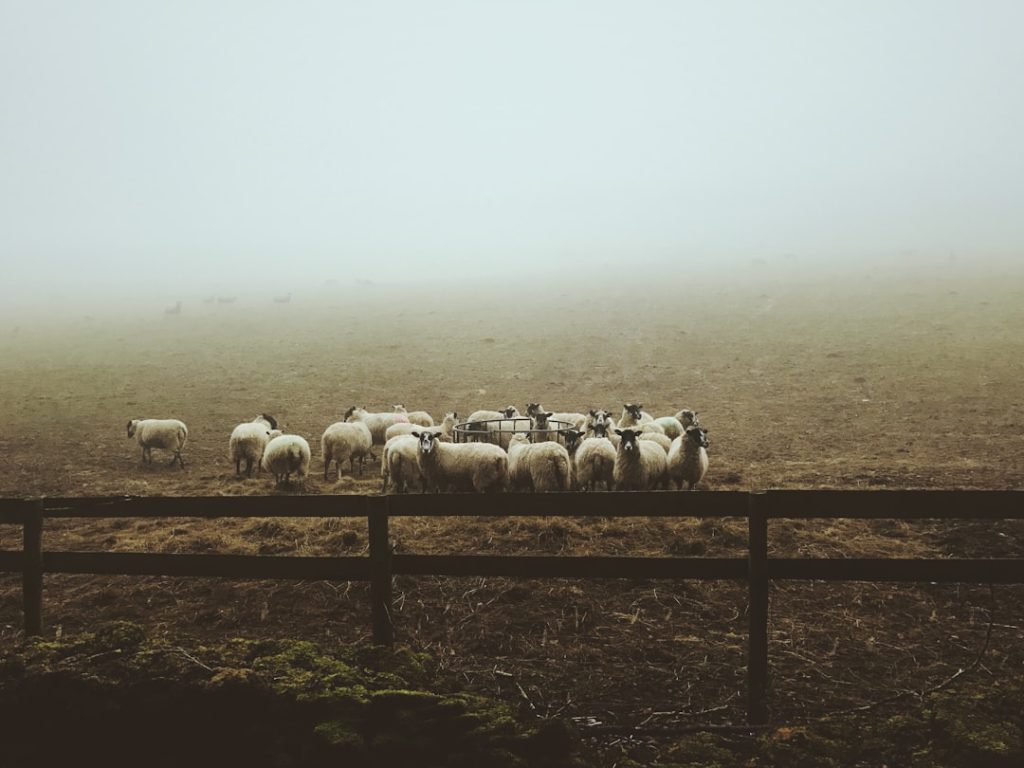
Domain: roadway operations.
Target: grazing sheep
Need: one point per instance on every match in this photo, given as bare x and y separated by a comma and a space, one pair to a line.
656, 437
400, 463
634, 414
284, 455
248, 440
460, 466
168, 434
446, 428
541, 467
688, 457
594, 461
377, 423
345, 440
640, 465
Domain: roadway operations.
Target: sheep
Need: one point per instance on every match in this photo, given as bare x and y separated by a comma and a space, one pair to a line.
659, 438
593, 459
688, 457
168, 434
573, 419
480, 466
597, 417
248, 441
688, 418
633, 414
377, 423
284, 455
494, 426
400, 463
345, 440
422, 418
477, 425
541, 467
640, 465
674, 426
446, 428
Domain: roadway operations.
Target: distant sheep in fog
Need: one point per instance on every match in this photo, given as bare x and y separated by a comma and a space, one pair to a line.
248, 441
167, 434
285, 455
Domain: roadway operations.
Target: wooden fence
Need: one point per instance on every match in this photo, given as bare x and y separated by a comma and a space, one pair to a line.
757, 569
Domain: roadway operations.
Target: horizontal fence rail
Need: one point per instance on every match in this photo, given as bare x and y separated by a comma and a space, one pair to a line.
381, 564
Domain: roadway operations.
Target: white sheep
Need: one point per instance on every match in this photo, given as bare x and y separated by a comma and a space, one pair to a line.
569, 419
168, 434
640, 465
481, 425
345, 440
477, 466
656, 437
541, 467
599, 423
446, 428
634, 414
422, 418
377, 423
688, 457
287, 454
248, 441
400, 463
674, 426
593, 459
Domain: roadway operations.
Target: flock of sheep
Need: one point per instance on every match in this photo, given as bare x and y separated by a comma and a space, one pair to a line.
493, 450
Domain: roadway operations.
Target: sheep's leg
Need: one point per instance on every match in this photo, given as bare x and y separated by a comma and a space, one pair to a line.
248, 467
327, 467
238, 466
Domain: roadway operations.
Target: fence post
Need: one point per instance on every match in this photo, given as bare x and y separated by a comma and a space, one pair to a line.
32, 570
757, 574
380, 569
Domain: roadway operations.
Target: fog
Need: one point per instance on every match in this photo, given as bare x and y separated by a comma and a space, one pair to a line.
152, 153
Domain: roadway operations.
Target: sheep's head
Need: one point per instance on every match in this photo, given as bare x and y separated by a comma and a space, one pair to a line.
271, 421
698, 436
511, 412
687, 418
629, 440
539, 419
354, 413
427, 441
572, 438
633, 409
532, 409
132, 426
519, 438
600, 428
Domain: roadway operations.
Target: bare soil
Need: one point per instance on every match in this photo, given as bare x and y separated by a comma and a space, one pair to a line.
864, 383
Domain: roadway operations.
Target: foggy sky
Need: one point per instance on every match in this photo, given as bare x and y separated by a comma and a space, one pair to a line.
211, 144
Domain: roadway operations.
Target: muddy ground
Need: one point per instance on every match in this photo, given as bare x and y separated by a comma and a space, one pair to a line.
874, 381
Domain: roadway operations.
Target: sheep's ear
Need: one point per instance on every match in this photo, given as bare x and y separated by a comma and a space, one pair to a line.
618, 432
435, 436
548, 414
416, 435
593, 412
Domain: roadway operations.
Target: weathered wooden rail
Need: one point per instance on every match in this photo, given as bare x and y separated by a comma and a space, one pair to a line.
757, 569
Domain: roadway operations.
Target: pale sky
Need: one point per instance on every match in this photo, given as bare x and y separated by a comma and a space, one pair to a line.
188, 143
